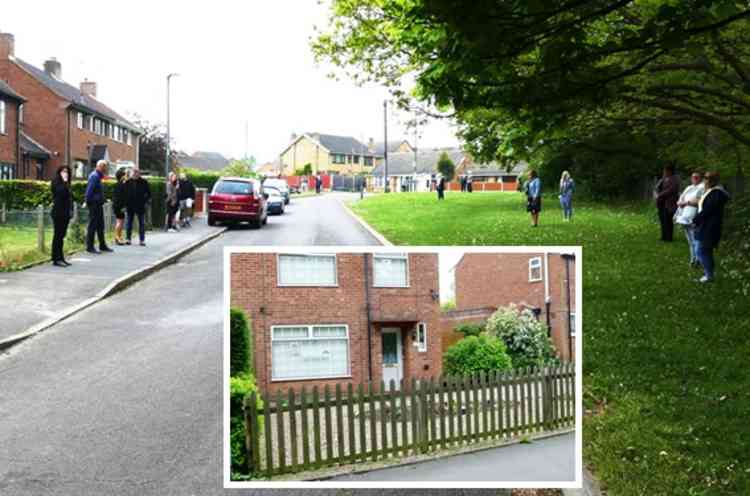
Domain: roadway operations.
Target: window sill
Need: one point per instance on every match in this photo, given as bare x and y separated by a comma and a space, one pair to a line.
312, 285
307, 379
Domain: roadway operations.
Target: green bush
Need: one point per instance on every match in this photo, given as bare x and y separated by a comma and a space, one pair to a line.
476, 354
240, 387
202, 179
524, 336
470, 329
240, 346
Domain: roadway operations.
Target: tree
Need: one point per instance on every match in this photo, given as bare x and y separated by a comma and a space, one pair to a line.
446, 167
527, 80
524, 336
152, 148
239, 168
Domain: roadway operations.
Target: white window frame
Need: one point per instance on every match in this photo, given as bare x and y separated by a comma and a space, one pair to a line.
80, 120
282, 284
3, 116
536, 263
572, 318
311, 338
400, 256
20, 113
421, 337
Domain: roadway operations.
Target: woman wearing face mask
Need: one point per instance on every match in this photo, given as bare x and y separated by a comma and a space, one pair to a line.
62, 208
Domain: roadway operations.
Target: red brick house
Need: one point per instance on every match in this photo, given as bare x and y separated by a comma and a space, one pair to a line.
339, 318
10, 106
544, 283
67, 124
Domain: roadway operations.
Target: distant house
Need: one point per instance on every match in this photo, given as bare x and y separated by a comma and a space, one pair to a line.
203, 161
327, 154
269, 169
405, 175
10, 112
67, 123
397, 146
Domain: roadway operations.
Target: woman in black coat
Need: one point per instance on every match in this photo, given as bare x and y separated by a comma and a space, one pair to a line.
119, 200
708, 223
62, 208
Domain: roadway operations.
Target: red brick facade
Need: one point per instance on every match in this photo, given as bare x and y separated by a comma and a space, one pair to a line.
51, 119
255, 289
495, 280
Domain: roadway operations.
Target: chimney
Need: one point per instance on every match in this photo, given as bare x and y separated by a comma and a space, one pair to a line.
88, 88
293, 137
7, 46
53, 68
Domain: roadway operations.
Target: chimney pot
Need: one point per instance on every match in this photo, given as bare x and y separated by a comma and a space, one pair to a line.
88, 88
53, 68
294, 136
7, 46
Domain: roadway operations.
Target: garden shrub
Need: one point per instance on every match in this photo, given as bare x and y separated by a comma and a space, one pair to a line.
239, 387
476, 354
470, 329
240, 347
524, 336
202, 179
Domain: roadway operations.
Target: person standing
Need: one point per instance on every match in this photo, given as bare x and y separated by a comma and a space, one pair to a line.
534, 197
441, 188
138, 194
708, 223
567, 187
172, 201
95, 201
118, 204
667, 193
687, 208
62, 208
186, 194
469, 184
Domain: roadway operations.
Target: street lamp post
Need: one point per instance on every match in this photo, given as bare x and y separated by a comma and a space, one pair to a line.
166, 159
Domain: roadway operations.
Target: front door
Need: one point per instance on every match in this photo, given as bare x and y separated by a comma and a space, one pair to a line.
393, 363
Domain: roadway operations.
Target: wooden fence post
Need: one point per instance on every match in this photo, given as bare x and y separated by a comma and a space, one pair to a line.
40, 228
107, 217
252, 434
3, 214
547, 397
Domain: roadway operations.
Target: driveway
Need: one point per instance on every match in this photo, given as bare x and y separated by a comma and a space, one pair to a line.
545, 460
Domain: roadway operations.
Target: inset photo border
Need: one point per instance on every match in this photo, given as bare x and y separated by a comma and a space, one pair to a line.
402, 367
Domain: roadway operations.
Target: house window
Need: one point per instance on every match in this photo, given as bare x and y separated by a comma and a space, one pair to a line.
79, 169
79, 117
7, 171
535, 269
368, 161
2, 117
128, 138
20, 114
391, 270
307, 270
422, 337
90, 123
356, 159
309, 352
338, 158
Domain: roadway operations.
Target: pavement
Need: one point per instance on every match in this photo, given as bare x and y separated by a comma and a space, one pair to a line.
544, 460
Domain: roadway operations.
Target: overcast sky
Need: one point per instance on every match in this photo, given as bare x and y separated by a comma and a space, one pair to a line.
238, 61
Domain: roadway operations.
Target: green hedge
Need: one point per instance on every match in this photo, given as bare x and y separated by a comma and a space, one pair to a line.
22, 194
240, 387
240, 343
476, 354
201, 179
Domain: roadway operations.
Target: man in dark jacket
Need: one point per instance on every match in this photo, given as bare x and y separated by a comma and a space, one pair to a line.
95, 203
137, 195
708, 223
667, 194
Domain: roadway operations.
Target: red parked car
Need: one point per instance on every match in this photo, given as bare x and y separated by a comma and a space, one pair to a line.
237, 199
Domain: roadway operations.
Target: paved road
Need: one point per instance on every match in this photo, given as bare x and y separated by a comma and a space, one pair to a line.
551, 459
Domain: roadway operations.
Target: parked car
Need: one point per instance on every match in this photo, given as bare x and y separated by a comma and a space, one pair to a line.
279, 184
275, 200
237, 199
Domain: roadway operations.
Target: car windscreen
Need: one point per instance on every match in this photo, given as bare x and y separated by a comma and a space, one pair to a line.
271, 191
234, 188
275, 183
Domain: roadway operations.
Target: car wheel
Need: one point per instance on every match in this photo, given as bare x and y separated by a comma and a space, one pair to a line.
265, 220
211, 220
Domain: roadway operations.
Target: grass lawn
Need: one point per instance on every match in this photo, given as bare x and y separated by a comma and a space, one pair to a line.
18, 246
666, 360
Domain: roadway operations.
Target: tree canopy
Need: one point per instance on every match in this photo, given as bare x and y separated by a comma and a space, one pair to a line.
539, 79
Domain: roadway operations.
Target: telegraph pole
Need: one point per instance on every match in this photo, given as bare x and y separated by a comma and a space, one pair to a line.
385, 147
166, 161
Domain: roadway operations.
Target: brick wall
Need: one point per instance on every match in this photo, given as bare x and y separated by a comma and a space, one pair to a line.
489, 279
254, 289
9, 140
454, 318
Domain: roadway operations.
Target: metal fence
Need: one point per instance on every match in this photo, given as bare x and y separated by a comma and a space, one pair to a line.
348, 183
302, 432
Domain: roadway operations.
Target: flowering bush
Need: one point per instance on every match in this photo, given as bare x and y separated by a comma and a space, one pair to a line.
524, 336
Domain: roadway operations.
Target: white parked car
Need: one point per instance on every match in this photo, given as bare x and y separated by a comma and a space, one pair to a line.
275, 200
279, 184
